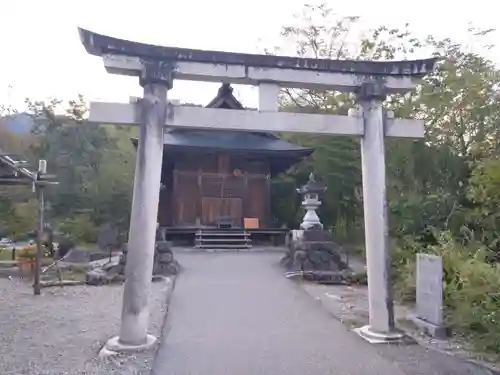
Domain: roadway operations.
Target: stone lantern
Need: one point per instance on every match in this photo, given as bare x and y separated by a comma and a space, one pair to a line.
311, 202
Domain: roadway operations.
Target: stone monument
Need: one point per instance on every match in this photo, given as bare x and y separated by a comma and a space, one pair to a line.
429, 314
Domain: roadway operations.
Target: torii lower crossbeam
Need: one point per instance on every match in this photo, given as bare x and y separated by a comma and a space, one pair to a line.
179, 116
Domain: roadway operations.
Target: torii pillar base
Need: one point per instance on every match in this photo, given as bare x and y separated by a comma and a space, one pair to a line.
114, 347
374, 337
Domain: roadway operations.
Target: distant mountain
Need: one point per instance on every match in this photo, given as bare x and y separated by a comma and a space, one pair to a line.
20, 123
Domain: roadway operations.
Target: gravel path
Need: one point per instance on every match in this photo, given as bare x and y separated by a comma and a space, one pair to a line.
62, 331
235, 313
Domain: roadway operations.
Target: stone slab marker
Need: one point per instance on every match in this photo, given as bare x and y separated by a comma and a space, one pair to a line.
371, 81
429, 314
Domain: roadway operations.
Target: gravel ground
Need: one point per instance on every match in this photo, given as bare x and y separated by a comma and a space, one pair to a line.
62, 331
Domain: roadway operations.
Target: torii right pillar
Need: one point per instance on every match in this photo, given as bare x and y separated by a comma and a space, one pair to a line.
381, 328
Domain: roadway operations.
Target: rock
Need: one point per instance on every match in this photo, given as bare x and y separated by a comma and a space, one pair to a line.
315, 257
164, 247
164, 265
77, 256
117, 279
98, 255
328, 277
157, 278
166, 269
96, 277
120, 269
109, 266
165, 257
105, 275
123, 259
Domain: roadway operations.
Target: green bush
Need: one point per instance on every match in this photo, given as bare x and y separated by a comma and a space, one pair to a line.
471, 287
80, 229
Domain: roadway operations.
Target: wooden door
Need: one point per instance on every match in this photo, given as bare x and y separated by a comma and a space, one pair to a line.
186, 198
215, 208
233, 208
211, 209
222, 197
257, 199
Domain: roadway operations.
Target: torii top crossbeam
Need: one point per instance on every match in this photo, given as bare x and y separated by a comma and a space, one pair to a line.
124, 57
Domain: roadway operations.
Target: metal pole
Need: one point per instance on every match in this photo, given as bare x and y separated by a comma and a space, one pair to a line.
39, 249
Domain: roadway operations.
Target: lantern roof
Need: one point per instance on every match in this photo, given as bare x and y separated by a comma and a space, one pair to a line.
312, 186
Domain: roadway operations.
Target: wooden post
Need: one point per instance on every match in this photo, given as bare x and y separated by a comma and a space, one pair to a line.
199, 206
42, 169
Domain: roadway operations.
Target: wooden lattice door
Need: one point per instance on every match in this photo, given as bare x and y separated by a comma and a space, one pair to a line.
222, 198
186, 198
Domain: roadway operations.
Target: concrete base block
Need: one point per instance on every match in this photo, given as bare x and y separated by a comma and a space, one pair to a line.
438, 331
114, 347
379, 338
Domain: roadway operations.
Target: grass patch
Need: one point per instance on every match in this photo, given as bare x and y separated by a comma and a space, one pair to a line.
470, 288
88, 247
353, 322
5, 254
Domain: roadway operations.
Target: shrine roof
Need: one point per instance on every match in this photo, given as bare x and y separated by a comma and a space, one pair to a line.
255, 142
231, 140
100, 45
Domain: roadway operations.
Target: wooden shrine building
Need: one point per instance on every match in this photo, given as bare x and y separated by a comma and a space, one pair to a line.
220, 180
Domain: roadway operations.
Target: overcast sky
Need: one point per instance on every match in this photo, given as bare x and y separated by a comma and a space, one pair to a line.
42, 55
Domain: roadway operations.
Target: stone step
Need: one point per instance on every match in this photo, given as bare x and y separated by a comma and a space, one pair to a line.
223, 240
225, 234
221, 246
220, 239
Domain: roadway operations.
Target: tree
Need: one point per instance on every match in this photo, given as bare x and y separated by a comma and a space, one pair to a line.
21, 219
73, 148
321, 34
458, 102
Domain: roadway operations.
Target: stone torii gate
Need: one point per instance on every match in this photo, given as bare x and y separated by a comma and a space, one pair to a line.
157, 67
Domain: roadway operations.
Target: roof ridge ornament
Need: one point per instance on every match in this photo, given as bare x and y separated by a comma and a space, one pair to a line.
225, 89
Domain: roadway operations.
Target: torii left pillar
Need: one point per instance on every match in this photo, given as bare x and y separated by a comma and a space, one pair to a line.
156, 79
